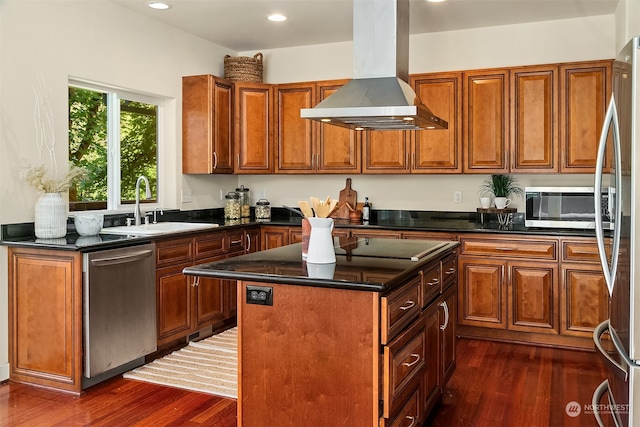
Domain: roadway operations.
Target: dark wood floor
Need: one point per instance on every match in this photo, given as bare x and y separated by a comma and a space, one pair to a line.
495, 384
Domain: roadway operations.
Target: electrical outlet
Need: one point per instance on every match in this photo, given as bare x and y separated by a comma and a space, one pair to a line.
223, 193
261, 295
457, 197
262, 194
187, 196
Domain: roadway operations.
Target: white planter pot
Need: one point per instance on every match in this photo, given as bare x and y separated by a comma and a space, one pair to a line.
51, 216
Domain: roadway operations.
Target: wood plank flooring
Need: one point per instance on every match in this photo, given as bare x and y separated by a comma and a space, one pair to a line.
495, 384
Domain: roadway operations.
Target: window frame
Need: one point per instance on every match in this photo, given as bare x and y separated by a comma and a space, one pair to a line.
114, 96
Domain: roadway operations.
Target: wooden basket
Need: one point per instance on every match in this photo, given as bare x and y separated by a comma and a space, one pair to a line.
243, 68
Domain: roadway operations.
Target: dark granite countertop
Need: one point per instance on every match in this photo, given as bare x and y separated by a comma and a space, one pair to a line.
378, 265
452, 222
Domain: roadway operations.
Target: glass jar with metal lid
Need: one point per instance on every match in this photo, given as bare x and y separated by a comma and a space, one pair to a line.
245, 200
232, 206
263, 210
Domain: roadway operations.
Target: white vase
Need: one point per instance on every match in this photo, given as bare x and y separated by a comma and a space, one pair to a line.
51, 216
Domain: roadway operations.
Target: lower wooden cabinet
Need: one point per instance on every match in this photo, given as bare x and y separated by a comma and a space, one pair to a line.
557, 296
186, 304
45, 318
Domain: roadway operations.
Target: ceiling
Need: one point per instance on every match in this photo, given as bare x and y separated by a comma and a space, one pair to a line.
241, 25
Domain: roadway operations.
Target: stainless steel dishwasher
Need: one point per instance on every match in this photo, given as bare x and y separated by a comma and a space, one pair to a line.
119, 310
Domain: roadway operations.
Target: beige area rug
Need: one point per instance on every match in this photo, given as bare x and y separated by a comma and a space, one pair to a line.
209, 366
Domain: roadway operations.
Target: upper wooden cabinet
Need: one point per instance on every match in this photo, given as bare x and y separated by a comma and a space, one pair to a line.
486, 125
439, 151
305, 146
253, 133
386, 151
207, 132
585, 88
534, 119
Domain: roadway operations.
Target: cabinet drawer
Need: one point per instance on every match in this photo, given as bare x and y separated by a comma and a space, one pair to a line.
172, 252
404, 362
449, 272
409, 415
431, 283
529, 249
235, 242
208, 246
584, 251
398, 309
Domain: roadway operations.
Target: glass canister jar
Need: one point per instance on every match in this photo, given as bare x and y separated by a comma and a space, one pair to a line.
263, 210
232, 206
245, 201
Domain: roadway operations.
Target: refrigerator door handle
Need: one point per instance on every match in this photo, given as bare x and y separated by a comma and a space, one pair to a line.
610, 121
619, 369
595, 403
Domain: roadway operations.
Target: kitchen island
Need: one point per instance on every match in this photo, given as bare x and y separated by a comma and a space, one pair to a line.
367, 341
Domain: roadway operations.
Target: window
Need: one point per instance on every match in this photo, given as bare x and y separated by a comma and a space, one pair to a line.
113, 134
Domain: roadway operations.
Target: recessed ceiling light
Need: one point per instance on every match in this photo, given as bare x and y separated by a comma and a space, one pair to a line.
435, 1
159, 5
276, 17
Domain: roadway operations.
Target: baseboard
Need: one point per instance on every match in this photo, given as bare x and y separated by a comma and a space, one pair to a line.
4, 372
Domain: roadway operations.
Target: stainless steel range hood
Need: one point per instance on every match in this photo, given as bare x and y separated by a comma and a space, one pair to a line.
378, 97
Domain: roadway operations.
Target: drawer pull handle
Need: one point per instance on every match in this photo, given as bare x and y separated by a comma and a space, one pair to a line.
410, 364
507, 248
413, 420
450, 271
410, 304
433, 282
236, 242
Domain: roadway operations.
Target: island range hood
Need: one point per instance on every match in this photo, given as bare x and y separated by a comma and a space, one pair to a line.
378, 97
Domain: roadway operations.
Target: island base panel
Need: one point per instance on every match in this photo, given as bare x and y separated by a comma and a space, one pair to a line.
310, 359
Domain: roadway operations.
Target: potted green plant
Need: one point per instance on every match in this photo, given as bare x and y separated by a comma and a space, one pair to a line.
502, 187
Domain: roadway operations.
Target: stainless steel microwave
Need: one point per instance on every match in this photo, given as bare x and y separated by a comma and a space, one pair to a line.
566, 207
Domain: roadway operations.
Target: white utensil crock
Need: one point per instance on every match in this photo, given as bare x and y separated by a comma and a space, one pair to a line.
321, 249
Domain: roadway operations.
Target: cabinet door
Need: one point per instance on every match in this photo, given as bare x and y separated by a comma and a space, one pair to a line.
533, 298
45, 317
447, 328
273, 237
584, 302
207, 125
432, 375
439, 151
252, 240
337, 149
174, 303
534, 119
584, 92
482, 293
386, 151
486, 115
253, 112
209, 299
295, 142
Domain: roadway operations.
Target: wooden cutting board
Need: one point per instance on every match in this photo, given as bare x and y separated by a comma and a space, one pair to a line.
347, 201
348, 195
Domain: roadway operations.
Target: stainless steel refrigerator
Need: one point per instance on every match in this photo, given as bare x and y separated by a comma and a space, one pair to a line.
617, 400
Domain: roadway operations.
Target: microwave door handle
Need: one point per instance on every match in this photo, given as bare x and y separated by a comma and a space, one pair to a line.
609, 119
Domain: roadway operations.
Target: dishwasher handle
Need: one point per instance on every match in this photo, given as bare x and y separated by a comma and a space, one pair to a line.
129, 257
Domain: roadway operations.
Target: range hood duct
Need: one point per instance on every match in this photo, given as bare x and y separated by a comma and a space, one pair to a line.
378, 97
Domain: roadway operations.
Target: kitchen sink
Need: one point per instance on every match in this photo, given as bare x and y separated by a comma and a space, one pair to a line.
157, 228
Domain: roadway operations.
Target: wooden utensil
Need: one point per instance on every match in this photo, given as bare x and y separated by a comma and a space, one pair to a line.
305, 208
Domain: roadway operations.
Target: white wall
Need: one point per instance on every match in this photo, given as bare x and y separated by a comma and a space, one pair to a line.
100, 41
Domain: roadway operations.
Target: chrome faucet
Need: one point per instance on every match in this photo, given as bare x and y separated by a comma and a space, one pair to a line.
137, 214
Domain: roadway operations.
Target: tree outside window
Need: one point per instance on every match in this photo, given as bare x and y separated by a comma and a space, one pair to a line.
113, 135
